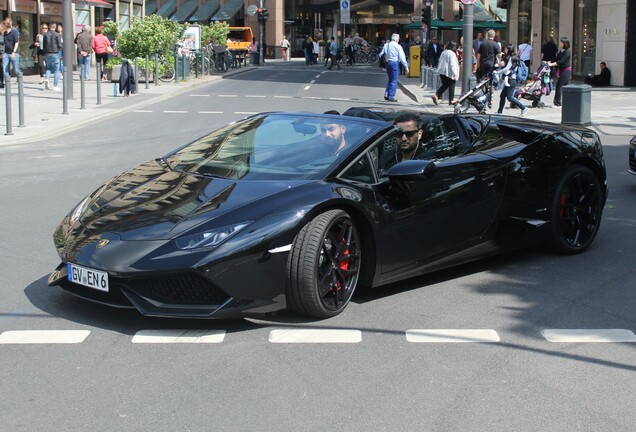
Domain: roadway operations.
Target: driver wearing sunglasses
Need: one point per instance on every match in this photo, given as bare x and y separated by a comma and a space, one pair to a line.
408, 146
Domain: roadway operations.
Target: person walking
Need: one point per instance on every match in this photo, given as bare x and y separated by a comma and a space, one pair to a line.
509, 77
333, 53
448, 70
52, 48
563, 63
60, 65
84, 41
11, 55
102, 47
488, 55
1, 54
284, 46
394, 56
38, 52
328, 51
433, 52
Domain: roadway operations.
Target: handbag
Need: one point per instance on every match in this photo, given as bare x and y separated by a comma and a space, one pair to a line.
382, 61
109, 50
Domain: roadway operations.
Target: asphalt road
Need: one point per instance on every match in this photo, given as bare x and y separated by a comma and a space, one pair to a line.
374, 370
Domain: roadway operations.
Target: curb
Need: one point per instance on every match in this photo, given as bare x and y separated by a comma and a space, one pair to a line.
188, 85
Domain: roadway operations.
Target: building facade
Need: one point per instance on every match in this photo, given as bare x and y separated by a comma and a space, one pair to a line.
599, 30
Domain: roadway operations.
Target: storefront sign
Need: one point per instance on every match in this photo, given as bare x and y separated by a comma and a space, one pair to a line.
29, 6
51, 9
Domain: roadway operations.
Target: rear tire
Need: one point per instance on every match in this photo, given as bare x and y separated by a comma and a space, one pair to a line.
324, 264
575, 211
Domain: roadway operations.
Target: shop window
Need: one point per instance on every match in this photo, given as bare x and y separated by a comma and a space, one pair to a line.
124, 16
525, 20
584, 40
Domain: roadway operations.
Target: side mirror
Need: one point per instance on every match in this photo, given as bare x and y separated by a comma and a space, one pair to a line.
412, 170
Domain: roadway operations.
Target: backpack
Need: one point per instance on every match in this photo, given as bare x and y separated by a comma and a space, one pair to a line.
522, 71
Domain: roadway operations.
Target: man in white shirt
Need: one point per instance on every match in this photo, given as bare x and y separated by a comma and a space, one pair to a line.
394, 56
525, 52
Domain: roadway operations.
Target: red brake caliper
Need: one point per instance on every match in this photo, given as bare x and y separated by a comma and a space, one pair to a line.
562, 211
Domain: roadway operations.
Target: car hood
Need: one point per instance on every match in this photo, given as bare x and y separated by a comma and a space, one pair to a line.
152, 203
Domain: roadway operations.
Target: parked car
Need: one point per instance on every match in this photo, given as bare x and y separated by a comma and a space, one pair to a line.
632, 156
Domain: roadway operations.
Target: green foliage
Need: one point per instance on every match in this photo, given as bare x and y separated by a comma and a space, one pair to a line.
112, 62
216, 33
153, 34
111, 30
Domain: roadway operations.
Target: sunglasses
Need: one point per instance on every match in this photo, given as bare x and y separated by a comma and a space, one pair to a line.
408, 134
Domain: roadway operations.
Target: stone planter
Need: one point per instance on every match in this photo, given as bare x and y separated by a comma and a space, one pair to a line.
112, 74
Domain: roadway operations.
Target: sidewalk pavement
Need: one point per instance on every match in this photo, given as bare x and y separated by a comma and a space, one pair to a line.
613, 110
43, 109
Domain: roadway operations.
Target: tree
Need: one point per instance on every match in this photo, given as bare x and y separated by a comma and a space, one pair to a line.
153, 34
216, 33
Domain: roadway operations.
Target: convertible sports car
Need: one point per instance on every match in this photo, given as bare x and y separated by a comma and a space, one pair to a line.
296, 210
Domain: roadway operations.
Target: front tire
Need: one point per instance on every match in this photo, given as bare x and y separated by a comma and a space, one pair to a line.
324, 265
575, 211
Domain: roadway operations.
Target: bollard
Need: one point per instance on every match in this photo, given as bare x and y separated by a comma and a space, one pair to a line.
99, 83
82, 87
20, 100
147, 72
7, 97
156, 69
136, 76
65, 85
422, 78
176, 68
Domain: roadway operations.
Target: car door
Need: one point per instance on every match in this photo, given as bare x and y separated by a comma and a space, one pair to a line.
428, 218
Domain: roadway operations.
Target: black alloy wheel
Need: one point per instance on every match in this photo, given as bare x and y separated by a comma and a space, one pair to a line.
576, 210
324, 265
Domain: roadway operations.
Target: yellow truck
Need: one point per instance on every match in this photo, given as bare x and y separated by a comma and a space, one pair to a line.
239, 38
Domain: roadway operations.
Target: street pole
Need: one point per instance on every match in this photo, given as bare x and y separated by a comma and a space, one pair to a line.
67, 46
468, 47
260, 43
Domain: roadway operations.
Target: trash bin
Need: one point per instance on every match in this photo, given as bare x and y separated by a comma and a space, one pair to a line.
414, 61
183, 68
577, 104
255, 58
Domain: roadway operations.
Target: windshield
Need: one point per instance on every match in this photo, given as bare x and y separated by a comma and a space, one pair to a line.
274, 147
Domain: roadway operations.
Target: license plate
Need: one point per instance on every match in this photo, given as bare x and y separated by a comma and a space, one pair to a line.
88, 277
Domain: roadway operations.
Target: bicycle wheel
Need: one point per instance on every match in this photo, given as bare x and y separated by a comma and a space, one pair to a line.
166, 70
373, 57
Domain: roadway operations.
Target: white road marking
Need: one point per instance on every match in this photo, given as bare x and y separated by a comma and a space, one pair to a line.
245, 112
588, 335
339, 99
451, 335
142, 111
224, 95
315, 336
307, 87
310, 97
43, 336
210, 112
199, 95
312, 82
255, 96
284, 97
317, 76
175, 112
179, 336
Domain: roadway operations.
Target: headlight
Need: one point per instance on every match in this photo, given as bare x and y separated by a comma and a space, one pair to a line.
77, 212
210, 238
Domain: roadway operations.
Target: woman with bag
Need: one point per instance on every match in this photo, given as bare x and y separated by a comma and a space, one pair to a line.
284, 45
564, 68
508, 75
448, 70
102, 48
38, 51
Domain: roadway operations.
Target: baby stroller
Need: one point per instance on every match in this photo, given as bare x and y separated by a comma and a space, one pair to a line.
541, 85
478, 97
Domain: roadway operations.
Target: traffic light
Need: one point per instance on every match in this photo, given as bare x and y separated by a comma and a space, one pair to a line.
427, 15
262, 15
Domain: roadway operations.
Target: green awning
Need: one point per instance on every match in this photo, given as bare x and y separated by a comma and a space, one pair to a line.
185, 11
151, 7
228, 10
457, 25
167, 9
206, 10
